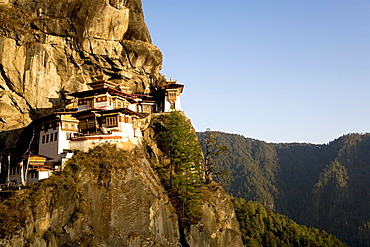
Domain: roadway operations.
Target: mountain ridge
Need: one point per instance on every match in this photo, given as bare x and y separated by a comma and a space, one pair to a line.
318, 185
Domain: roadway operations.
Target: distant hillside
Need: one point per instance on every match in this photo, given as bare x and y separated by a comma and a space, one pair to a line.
262, 227
324, 186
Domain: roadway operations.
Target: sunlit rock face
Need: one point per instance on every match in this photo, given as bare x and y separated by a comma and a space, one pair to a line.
51, 47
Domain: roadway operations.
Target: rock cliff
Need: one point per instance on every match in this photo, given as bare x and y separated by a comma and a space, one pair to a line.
51, 47
109, 197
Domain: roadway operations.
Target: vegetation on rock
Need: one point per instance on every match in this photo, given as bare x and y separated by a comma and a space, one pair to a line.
211, 150
183, 174
103, 197
263, 227
323, 186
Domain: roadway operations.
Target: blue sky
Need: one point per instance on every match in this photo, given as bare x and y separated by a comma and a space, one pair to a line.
278, 71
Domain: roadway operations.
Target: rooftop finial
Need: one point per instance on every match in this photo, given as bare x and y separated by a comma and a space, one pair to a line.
172, 81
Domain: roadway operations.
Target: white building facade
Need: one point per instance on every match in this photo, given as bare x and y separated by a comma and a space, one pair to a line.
104, 114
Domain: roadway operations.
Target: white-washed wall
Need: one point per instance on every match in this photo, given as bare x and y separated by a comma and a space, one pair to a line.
167, 104
47, 144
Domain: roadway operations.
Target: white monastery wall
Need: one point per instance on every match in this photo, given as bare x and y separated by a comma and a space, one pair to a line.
167, 105
48, 146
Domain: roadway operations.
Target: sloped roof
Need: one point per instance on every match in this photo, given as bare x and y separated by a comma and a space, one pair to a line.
119, 110
93, 92
173, 86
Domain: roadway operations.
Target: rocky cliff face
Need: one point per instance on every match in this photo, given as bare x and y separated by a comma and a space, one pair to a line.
107, 197
111, 198
49, 48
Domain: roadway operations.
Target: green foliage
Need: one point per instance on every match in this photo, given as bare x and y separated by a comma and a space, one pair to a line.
12, 220
262, 227
183, 175
100, 161
251, 164
364, 234
335, 175
212, 150
323, 186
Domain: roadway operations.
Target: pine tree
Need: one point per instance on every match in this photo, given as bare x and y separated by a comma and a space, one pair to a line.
185, 172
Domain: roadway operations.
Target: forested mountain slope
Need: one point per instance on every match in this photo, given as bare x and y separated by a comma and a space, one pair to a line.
324, 186
262, 227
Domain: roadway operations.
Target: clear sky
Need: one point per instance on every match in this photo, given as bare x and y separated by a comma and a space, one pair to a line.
273, 70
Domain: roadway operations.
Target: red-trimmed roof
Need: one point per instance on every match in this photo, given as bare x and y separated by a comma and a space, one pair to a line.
102, 82
39, 155
93, 92
173, 86
122, 110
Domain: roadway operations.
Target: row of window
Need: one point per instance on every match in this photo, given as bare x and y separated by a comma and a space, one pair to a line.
101, 99
172, 96
34, 174
111, 121
50, 138
118, 103
47, 126
69, 126
17, 170
83, 101
90, 101
88, 125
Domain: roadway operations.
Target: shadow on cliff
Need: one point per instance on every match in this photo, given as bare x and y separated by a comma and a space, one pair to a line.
14, 144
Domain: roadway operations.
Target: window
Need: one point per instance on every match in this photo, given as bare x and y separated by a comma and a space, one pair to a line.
43, 139
69, 135
135, 124
47, 139
127, 119
55, 136
172, 96
90, 104
112, 121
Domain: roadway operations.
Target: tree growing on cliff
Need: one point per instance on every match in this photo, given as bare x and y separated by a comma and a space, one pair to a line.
185, 176
212, 149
